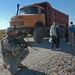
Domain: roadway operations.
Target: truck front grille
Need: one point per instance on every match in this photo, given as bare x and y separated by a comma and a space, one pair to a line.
15, 23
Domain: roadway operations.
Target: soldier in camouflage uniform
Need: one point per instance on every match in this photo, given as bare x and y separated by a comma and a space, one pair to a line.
12, 52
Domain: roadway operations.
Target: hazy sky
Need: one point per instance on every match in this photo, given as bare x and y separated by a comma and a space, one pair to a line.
8, 9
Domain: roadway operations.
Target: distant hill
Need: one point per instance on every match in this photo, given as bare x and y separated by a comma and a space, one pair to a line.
2, 33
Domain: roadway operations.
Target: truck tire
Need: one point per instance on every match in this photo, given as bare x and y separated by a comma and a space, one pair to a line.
38, 35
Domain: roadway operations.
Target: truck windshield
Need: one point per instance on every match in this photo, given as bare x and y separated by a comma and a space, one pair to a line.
29, 10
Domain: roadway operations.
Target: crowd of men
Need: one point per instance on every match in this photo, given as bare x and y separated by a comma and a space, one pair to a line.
55, 35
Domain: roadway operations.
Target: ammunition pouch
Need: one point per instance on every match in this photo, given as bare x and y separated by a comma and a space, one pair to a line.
15, 53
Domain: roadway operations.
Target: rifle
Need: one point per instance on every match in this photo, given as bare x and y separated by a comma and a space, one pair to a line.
23, 43
32, 47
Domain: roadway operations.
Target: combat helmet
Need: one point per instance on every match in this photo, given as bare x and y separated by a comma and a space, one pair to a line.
10, 29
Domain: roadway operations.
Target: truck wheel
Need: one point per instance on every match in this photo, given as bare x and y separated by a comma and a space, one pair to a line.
38, 34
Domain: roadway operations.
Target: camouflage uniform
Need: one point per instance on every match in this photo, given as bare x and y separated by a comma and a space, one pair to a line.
12, 53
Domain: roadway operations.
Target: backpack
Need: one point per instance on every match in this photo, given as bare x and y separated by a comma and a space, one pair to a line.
72, 29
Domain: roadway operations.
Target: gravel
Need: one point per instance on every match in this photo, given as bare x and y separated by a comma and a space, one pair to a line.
47, 62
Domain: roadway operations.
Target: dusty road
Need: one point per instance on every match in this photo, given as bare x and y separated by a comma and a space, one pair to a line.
47, 62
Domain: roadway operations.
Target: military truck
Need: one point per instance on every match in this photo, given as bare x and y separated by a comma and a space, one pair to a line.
36, 19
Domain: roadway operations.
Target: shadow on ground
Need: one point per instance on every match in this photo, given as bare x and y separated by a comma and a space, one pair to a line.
65, 47
29, 72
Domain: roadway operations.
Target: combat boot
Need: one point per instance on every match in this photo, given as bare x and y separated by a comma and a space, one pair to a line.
21, 66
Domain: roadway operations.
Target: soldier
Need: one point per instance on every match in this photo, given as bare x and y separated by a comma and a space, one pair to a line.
12, 52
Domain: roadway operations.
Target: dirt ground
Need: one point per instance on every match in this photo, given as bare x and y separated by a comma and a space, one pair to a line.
44, 61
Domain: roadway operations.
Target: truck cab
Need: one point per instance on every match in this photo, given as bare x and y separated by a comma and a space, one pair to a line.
30, 20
